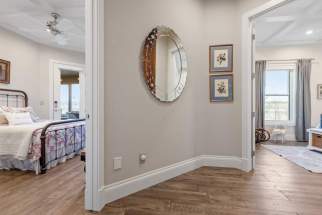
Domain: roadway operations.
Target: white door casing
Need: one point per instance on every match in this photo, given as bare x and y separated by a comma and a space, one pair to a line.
247, 68
54, 87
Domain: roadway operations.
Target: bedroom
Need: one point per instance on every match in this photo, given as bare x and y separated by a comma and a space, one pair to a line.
42, 93
288, 81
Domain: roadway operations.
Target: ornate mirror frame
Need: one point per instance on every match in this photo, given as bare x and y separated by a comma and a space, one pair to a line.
149, 61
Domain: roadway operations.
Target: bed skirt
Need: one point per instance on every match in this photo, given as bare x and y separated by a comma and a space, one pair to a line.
30, 165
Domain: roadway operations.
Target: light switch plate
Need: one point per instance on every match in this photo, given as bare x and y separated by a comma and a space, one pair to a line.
117, 161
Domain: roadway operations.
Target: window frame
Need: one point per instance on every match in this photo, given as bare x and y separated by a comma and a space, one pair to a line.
291, 68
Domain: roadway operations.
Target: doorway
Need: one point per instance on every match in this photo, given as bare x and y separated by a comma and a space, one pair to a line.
67, 96
282, 56
248, 79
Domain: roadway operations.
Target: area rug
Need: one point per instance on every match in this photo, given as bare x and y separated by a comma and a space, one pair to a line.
301, 156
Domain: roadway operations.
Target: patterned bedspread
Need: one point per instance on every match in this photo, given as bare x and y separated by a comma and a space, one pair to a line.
62, 142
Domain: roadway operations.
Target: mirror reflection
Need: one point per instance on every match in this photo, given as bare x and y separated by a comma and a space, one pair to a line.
165, 64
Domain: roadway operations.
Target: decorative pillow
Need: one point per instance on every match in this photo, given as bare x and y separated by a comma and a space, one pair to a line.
16, 118
3, 119
33, 115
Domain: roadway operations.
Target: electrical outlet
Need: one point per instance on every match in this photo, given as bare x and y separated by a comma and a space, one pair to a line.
117, 161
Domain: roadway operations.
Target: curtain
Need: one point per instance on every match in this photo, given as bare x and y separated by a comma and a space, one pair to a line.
260, 68
303, 99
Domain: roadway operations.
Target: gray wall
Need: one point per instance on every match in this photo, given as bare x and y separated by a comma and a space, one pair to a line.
169, 133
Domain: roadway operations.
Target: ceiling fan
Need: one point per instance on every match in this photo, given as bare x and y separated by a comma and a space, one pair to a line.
53, 29
52, 25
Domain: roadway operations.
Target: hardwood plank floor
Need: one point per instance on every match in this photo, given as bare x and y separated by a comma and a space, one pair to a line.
277, 187
59, 191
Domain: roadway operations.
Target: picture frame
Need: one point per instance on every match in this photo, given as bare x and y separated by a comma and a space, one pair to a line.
221, 88
4, 71
319, 91
221, 58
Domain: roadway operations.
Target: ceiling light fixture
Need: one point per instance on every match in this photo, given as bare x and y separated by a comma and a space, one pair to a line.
52, 25
309, 32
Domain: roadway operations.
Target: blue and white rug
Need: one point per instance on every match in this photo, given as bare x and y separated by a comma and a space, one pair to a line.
299, 155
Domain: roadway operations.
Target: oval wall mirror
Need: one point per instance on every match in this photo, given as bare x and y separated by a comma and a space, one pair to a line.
165, 64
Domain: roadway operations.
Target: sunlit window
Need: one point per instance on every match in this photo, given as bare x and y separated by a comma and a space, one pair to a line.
70, 100
64, 98
279, 95
75, 97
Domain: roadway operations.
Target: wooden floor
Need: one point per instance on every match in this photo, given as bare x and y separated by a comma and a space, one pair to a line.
277, 187
59, 191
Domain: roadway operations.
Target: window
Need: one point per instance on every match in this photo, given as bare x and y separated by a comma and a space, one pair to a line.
70, 100
279, 95
64, 98
75, 98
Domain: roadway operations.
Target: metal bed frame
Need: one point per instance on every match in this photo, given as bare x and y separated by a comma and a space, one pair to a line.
19, 94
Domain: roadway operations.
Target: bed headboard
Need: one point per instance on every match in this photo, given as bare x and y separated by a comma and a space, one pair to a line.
13, 98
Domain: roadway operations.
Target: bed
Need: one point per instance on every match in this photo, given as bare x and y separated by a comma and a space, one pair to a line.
38, 146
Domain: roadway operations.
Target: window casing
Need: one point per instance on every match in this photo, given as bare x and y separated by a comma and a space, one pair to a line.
280, 91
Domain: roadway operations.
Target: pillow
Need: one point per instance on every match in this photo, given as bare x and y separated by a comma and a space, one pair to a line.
17, 118
3, 119
33, 115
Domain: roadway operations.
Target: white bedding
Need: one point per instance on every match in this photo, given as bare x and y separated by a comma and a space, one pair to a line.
15, 140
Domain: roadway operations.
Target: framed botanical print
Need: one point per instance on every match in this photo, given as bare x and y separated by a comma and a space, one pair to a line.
4, 71
319, 91
221, 58
221, 88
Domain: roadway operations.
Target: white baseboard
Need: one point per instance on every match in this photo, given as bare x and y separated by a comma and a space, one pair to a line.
128, 186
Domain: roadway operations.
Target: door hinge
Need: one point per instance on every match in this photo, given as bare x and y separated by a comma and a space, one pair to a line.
253, 37
87, 116
253, 153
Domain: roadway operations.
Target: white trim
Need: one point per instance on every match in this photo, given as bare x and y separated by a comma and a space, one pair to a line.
94, 104
128, 186
223, 161
246, 53
53, 66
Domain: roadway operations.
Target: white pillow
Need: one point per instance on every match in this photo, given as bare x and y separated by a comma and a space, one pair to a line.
18, 118
33, 115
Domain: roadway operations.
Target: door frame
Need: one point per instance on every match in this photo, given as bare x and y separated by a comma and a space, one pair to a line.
248, 134
54, 66
94, 107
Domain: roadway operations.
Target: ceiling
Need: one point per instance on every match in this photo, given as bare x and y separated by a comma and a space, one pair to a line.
297, 23
29, 17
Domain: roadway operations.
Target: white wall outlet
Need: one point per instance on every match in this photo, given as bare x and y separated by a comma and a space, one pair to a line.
117, 161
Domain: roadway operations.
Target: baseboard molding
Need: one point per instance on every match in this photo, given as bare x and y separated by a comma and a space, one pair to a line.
128, 186
221, 161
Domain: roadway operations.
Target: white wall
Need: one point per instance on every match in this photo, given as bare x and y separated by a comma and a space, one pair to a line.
30, 67
296, 52
168, 133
